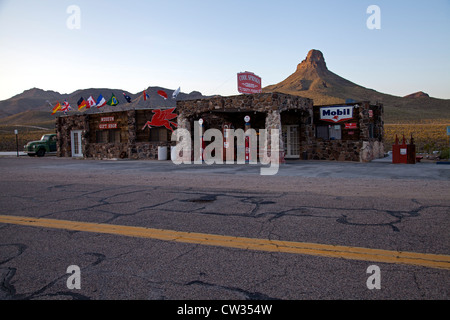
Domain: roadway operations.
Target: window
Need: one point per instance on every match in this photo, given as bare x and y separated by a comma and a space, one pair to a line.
335, 132
371, 131
329, 132
100, 136
107, 136
322, 132
159, 134
114, 136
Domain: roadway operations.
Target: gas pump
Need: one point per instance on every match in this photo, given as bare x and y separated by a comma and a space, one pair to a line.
228, 152
247, 139
202, 141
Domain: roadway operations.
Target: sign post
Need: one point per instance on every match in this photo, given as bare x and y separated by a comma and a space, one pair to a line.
448, 131
202, 146
16, 132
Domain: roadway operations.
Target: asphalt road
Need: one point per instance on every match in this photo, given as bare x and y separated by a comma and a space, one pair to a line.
222, 232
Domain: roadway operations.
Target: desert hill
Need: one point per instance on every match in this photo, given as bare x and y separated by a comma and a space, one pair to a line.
35, 105
419, 94
312, 79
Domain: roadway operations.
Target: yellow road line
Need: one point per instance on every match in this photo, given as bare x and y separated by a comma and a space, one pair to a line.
334, 251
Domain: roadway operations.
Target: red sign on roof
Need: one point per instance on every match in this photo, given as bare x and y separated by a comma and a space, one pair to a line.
249, 83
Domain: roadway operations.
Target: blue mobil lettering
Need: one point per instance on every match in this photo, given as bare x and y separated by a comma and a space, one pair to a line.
336, 113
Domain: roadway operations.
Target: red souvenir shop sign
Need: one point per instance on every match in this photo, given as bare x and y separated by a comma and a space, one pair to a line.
107, 123
249, 83
351, 125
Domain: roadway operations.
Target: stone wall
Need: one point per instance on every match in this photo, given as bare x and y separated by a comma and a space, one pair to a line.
64, 125
368, 141
267, 110
371, 150
127, 148
339, 150
261, 102
101, 151
273, 121
270, 104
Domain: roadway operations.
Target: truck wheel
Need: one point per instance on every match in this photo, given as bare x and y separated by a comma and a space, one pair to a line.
40, 153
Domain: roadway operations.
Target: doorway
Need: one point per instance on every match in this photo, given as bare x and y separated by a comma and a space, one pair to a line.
291, 141
75, 137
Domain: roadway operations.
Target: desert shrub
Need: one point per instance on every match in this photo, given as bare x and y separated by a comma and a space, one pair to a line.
428, 135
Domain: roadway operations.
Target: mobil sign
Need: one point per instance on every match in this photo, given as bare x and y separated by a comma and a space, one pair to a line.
248, 82
336, 113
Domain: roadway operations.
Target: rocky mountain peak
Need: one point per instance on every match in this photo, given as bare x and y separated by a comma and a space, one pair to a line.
314, 59
419, 94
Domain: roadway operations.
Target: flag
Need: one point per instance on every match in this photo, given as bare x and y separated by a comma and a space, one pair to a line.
146, 96
162, 94
81, 104
113, 101
175, 93
66, 107
127, 97
56, 108
100, 101
90, 102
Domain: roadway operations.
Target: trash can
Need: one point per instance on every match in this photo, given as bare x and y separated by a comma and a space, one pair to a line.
162, 153
173, 153
305, 155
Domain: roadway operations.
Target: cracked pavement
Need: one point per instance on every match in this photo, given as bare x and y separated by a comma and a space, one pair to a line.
364, 209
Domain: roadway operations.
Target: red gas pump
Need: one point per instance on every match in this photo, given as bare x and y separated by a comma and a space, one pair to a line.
202, 141
228, 152
399, 151
247, 139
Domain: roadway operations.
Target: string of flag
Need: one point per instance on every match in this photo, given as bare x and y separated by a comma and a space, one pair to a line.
101, 101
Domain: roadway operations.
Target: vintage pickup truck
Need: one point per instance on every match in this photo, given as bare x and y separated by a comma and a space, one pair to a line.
47, 144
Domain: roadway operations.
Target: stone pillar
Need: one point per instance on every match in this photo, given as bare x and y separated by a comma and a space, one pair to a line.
85, 140
131, 149
59, 141
273, 121
184, 144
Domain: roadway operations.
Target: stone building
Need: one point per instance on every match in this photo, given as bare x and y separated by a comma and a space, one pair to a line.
356, 138
265, 111
346, 132
112, 135
304, 133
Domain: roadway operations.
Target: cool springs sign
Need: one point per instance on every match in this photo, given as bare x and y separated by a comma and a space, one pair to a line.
248, 82
336, 113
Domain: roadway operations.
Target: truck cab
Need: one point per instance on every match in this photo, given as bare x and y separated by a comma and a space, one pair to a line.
39, 148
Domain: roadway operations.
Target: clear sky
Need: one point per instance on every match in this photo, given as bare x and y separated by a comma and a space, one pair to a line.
202, 44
